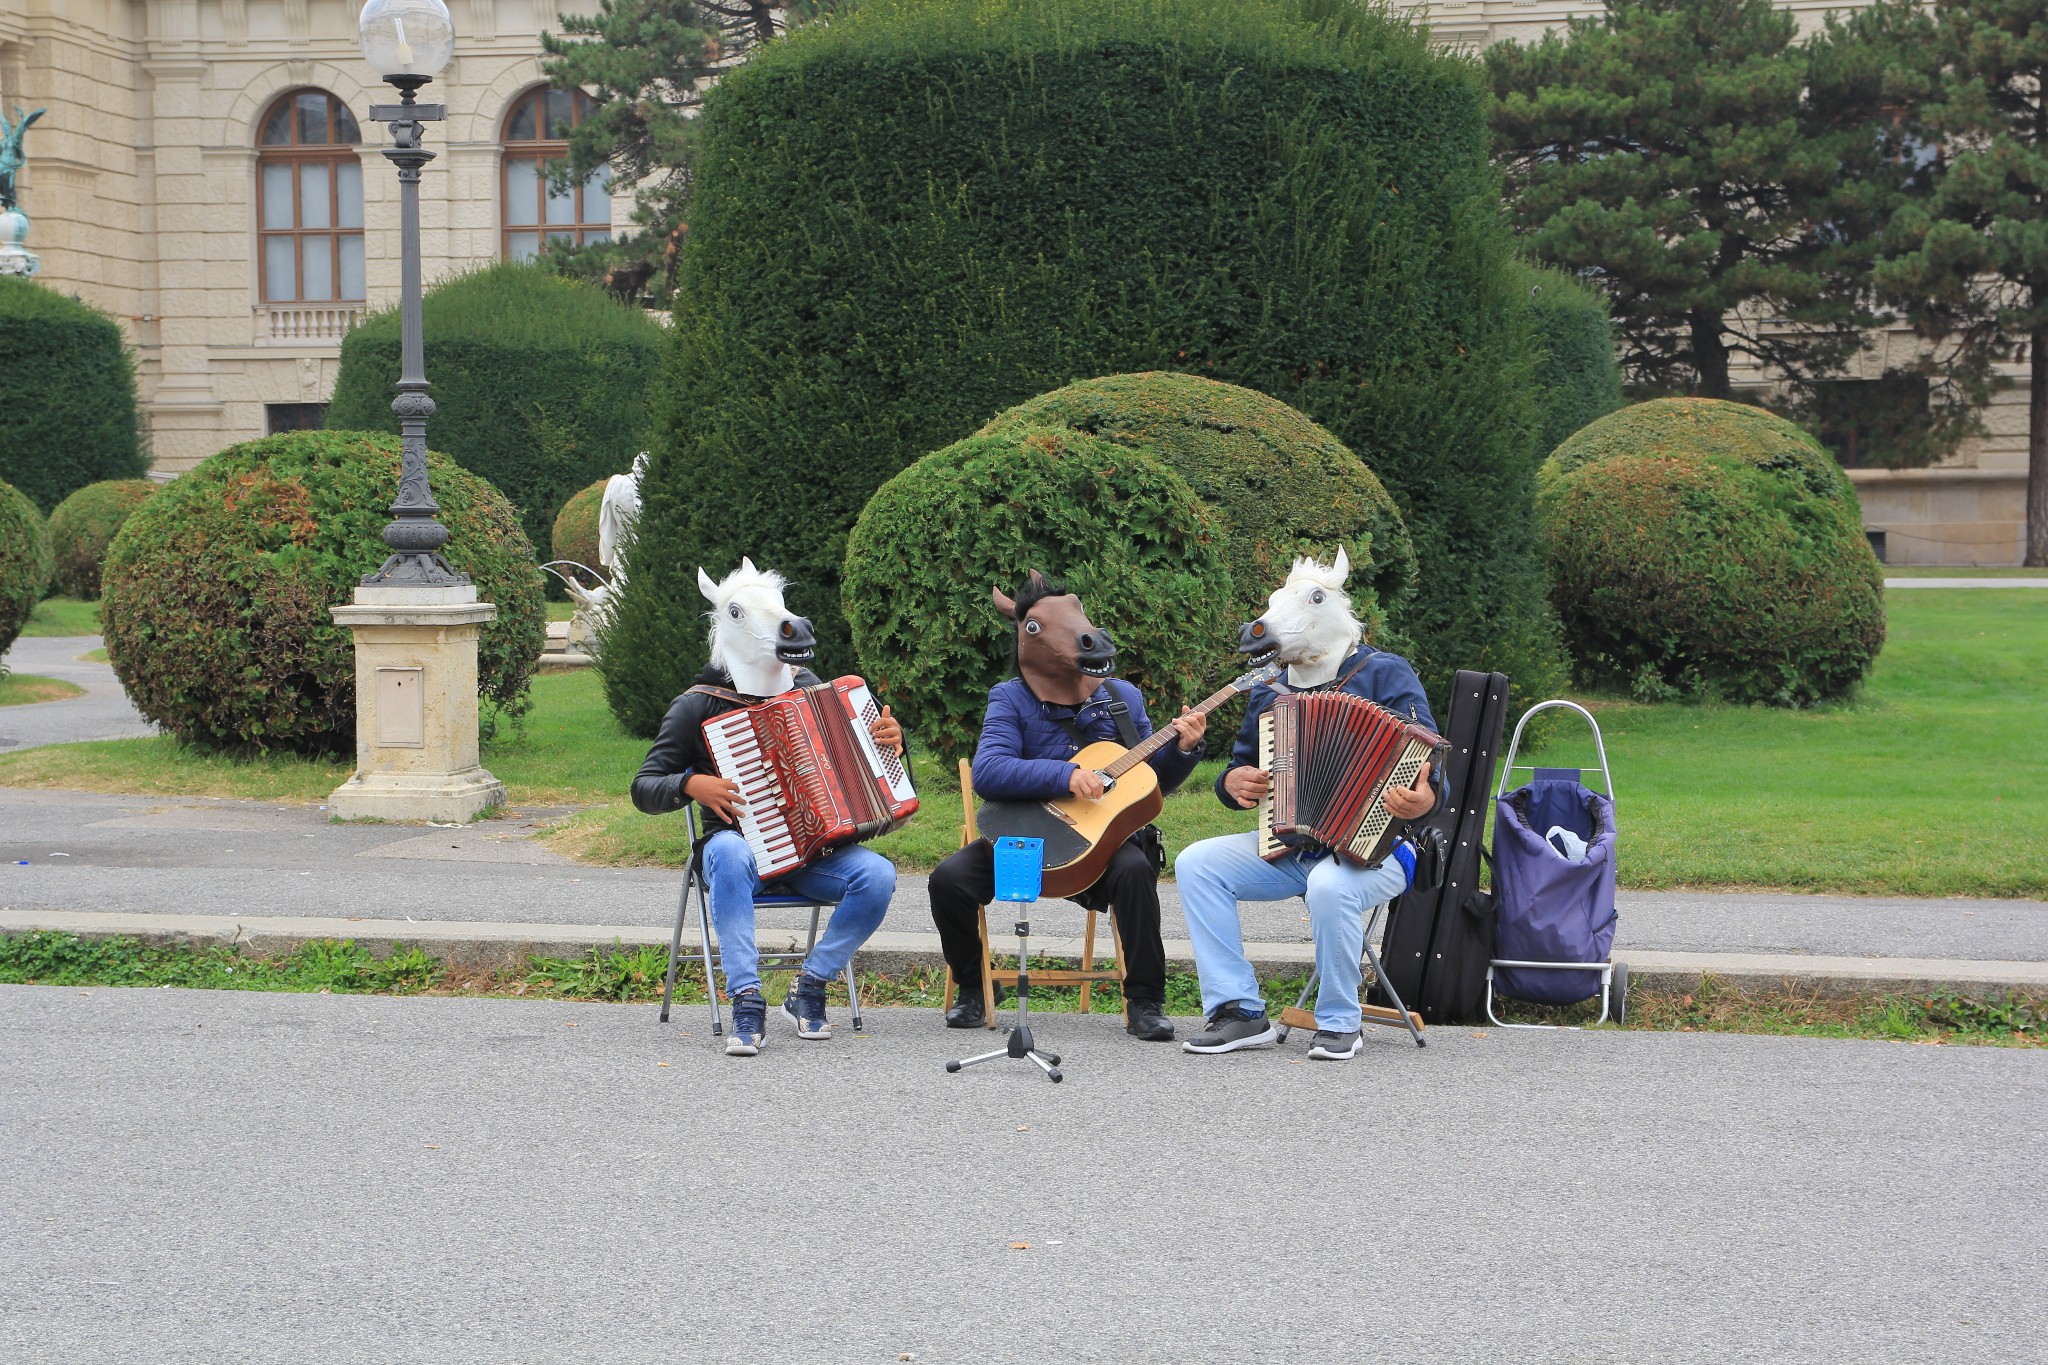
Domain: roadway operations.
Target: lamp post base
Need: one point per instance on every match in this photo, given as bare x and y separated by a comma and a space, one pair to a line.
416, 724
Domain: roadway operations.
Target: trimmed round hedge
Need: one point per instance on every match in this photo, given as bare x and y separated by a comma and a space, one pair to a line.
83, 526
67, 395
540, 383
575, 531
1690, 570
1114, 523
1281, 485
216, 592
24, 562
1707, 426
907, 220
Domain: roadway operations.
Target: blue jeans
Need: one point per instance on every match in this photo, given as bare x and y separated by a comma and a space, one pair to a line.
1216, 874
858, 880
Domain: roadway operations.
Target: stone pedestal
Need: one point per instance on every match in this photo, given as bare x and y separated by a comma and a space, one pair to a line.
416, 740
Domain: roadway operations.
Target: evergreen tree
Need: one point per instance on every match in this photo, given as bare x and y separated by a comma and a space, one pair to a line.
647, 64
1968, 261
1673, 152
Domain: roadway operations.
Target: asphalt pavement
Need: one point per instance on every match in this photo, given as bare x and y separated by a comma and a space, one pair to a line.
214, 1176
76, 851
104, 712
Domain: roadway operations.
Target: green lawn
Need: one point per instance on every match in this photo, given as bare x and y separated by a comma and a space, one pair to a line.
24, 689
63, 616
1929, 782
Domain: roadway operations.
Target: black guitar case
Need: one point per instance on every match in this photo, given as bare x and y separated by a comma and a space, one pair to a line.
1437, 942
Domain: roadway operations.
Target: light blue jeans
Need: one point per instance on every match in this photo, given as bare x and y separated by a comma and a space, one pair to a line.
1216, 874
859, 880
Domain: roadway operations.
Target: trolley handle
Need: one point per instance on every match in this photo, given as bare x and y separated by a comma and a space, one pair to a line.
1507, 766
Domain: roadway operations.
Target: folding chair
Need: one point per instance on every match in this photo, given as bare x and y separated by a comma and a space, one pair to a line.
1085, 976
786, 960
1298, 1015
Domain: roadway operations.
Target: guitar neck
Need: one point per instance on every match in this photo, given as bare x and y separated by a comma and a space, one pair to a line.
1164, 734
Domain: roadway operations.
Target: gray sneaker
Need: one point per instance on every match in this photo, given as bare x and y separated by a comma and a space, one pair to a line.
1334, 1047
1230, 1029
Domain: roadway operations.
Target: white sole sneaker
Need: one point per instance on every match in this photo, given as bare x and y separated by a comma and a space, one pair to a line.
742, 1045
1323, 1052
1269, 1038
823, 1032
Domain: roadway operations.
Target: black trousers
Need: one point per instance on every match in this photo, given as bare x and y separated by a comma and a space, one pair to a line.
966, 881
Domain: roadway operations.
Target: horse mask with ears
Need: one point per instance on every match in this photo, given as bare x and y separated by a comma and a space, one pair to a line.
1062, 656
1307, 624
754, 637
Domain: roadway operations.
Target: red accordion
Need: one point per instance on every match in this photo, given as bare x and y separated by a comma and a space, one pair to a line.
811, 775
1332, 756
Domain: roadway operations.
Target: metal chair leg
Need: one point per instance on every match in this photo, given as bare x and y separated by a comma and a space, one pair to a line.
710, 970
1308, 990
853, 997
675, 950
1379, 974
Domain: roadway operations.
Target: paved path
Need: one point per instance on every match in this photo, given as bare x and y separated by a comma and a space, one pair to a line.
104, 712
2040, 582
74, 851
201, 1176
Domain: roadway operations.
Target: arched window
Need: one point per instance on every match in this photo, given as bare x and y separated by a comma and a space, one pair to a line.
309, 190
537, 132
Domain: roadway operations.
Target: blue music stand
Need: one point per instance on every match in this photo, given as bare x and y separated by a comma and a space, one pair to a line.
1020, 874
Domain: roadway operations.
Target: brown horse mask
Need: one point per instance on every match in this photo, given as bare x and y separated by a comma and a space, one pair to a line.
1061, 655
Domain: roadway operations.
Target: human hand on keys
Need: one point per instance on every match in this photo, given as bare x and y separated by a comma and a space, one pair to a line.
1406, 803
888, 731
718, 795
1247, 786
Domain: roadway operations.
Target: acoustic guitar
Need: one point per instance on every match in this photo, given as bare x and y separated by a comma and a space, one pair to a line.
1080, 834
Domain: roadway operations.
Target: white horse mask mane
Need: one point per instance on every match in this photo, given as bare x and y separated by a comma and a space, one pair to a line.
754, 637
1307, 625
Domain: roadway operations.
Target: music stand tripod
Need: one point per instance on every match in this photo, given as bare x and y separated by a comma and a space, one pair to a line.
1020, 868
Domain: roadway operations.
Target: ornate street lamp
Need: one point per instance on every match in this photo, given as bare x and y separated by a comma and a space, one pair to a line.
407, 42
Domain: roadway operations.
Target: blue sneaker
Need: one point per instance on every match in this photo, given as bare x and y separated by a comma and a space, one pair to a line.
805, 1007
749, 1024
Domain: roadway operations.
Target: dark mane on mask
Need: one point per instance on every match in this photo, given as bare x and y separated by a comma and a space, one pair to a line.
1034, 591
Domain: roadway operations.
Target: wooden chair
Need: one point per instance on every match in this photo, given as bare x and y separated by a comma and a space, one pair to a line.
1085, 976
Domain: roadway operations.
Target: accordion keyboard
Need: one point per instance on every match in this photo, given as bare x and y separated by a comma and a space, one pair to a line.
764, 824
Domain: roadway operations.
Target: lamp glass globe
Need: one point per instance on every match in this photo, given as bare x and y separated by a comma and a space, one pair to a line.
406, 37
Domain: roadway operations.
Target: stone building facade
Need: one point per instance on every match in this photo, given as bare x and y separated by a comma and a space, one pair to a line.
208, 174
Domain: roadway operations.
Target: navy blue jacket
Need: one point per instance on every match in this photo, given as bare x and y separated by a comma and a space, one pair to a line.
1385, 679
1025, 754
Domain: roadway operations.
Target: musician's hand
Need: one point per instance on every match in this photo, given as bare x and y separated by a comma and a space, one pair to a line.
1086, 783
1247, 786
1406, 803
1192, 727
888, 731
719, 796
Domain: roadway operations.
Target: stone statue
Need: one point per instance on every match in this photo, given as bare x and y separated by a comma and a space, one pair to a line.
11, 155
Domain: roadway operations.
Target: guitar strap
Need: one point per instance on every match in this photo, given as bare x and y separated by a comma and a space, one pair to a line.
1126, 729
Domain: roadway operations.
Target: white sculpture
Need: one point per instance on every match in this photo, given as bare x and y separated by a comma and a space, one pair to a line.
616, 516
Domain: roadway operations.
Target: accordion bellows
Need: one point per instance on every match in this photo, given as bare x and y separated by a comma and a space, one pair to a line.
810, 773
1332, 756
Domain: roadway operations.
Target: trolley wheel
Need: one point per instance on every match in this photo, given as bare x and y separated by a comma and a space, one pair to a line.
1617, 994
952, 1066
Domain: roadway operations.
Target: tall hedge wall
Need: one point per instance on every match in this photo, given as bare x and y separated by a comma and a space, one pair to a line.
540, 383
67, 395
926, 211
1578, 379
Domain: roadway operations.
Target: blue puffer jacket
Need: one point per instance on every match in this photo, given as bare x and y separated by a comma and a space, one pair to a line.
1025, 753
1386, 679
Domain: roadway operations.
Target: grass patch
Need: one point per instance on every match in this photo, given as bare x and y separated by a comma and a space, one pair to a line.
63, 616
633, 975
94, 656
561, 611
1923, 784
25, 689
1926, 783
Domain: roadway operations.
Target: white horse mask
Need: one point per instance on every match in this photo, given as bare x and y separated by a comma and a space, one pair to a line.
753, 635
1308, 623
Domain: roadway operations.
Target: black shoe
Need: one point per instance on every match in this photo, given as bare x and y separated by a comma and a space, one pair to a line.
967, 1011
1146, 1019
